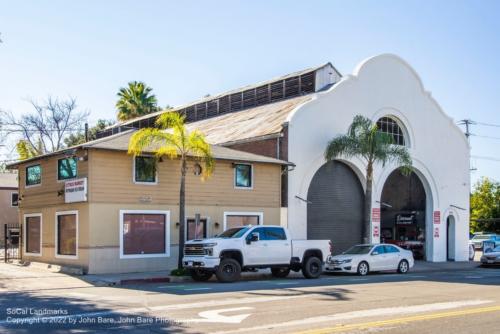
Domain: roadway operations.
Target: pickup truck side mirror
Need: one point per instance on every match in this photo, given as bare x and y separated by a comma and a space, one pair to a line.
252, 238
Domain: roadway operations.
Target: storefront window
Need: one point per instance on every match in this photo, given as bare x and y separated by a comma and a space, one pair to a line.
33, 234
243, 176
241, 220
67, 168
144, 234
66, 234
145, 170
33, 175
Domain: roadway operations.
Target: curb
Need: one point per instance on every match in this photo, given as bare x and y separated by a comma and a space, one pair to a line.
135, 281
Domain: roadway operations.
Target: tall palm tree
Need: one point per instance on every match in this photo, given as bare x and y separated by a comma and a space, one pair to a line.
170, 138
135, 100
364, 140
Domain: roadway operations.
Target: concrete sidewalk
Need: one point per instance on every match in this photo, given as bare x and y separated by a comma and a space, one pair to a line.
165, 277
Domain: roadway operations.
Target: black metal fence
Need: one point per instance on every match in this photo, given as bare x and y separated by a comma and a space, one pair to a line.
12, 242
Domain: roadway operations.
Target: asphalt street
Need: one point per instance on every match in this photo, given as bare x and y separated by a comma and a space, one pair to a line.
459, 301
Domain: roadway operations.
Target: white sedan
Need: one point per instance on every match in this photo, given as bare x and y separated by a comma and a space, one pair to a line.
362, 259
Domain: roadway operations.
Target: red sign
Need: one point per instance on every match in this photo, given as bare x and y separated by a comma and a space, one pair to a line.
436, 232
437, 217
376, 231
376, 215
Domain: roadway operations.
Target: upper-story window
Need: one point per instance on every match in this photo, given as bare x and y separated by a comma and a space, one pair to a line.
67, 168
33, 175
145, 170
390, 126
243, 176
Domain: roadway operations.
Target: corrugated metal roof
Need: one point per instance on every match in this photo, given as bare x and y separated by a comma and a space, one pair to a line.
8, 180
119, 142
251, 123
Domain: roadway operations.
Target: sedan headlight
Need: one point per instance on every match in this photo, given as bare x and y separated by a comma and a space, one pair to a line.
347, 261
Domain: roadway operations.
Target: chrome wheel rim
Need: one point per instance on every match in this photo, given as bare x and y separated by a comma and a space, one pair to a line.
403, 267
363, 268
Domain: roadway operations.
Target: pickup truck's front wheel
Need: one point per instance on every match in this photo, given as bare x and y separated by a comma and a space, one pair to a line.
229, 270
200, 275
312, 267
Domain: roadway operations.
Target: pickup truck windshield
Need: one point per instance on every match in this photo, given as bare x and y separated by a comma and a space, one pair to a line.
358, 250
236, 232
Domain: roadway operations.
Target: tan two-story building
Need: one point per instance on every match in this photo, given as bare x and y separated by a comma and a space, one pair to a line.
95, 207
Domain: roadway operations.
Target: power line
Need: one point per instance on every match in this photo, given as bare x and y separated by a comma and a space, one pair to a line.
485, 158
481, 136
488, 124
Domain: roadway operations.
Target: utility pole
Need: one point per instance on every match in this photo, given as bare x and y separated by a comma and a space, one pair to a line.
467, 123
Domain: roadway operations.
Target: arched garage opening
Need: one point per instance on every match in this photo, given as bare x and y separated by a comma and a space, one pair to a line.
403, 208
335, 206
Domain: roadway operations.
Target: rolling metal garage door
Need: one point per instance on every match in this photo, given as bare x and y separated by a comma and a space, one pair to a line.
335, 208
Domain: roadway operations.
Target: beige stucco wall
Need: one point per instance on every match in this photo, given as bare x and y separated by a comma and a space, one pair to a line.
49, 237
105, 233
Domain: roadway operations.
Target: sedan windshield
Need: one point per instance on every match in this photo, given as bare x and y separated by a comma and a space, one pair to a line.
360, 249
236, 232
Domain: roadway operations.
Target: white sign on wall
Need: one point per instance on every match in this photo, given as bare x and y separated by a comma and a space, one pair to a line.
75, 191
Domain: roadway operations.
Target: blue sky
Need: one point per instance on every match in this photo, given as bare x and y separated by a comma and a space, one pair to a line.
186, 49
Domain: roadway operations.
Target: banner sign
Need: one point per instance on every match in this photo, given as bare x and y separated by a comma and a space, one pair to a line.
75, 191
376, 215
376, 231
436, 232
437, 217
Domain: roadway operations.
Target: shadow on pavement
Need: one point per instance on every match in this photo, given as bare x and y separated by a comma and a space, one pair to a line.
25, 312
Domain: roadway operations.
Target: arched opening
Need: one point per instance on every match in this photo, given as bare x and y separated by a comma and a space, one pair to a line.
403, 208
335, 206
450, 238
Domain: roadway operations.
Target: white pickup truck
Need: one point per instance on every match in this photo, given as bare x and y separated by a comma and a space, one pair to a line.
248, 248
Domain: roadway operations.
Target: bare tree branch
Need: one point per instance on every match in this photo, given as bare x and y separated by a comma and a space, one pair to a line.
47, 126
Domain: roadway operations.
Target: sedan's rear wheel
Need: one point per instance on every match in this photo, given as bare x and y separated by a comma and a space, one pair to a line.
403, 267
363, 269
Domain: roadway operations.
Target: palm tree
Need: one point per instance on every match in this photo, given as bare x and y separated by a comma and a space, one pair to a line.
135, 100
364, 140
170, 138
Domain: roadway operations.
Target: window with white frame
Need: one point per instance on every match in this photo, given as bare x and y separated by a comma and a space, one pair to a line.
243, 176
14, 199
144, 233
33, 234
236, 219
390, 126
67, 234
145, 170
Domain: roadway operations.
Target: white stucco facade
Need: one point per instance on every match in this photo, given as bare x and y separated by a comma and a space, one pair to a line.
380, 86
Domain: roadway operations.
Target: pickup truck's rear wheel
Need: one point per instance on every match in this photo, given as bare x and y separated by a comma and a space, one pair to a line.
280, 272
312, 267
200, 275
229, 270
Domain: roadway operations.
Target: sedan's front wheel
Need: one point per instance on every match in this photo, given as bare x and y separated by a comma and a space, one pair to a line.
363, 268
403, 267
